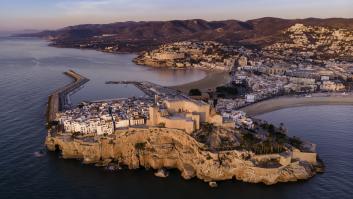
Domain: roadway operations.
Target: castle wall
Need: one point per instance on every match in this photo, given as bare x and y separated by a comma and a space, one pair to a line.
178, 123
187, 125
310, 157
216, 120
192, 114
189, 106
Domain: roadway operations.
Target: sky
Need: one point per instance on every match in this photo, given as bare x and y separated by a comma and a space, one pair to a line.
54, 14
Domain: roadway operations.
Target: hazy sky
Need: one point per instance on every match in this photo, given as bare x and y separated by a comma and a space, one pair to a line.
51, 14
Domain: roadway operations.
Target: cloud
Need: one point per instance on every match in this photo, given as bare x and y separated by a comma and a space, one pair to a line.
85, 7
123, 7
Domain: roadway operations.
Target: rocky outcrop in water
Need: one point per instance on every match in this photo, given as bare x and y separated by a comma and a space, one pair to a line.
160, 148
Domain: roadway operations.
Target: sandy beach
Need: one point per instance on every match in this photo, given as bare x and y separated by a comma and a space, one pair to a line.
211, 81
286, 102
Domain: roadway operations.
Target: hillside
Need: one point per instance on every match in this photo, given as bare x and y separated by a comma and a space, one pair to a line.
136, 36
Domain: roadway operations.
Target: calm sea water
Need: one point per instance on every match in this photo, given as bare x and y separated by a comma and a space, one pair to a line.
29, 71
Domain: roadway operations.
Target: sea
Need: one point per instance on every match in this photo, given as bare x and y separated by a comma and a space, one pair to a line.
30, 70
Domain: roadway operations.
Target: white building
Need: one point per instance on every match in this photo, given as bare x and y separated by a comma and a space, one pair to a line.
136, 121
250, 98
121, 123
332, 86
325, 78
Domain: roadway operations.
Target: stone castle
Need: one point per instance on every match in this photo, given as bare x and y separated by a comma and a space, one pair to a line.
185, 115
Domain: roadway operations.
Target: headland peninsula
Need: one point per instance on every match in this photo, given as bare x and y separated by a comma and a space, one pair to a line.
167, 129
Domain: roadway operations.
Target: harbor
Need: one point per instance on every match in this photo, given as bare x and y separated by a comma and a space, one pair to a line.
150, 89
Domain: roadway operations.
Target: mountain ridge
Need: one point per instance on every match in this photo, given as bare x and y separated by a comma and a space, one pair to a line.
142, 35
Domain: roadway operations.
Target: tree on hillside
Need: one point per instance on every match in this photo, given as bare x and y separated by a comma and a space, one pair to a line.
195, 92
140, 146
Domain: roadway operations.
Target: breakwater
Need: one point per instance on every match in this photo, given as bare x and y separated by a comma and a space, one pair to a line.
58, 100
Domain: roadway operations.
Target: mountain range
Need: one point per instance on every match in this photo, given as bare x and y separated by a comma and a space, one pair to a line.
136, 36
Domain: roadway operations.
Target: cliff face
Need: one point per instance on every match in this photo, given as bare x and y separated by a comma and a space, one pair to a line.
169, 148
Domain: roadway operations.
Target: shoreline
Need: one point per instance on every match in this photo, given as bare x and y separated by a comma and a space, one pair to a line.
289, 102
212, 80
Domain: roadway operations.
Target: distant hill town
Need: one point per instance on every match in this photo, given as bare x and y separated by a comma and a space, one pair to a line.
264, 57
139, 36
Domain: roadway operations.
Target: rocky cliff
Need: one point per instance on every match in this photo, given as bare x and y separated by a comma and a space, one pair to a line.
160, 148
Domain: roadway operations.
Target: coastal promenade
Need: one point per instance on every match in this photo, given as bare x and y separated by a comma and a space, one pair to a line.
287, 102
58, 100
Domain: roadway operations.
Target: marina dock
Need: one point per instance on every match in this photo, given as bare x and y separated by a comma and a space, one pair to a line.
143, 86
150, 89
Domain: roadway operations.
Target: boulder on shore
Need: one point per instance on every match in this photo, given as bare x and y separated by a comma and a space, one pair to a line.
162, 173
213, 184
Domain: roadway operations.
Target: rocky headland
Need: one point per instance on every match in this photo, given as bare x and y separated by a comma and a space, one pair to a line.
163, 148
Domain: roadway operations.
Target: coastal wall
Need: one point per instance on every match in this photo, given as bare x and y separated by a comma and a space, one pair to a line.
158, 148
283, 159
285, 102
310, 157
